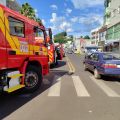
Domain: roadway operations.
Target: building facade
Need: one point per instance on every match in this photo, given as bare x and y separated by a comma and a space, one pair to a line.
95, 36
112, 20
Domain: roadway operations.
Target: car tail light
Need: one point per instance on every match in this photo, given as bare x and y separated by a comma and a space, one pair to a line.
109, 66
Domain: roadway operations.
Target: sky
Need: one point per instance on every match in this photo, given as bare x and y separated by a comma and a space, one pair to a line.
77, 17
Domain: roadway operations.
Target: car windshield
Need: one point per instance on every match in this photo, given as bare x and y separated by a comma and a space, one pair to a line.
91, 49
111, 56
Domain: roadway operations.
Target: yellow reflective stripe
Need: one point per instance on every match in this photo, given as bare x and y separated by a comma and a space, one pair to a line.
36, 48
50, 56
50, 53
15, 88
50, 60
2, 26
16, 76
31, 48
1, 14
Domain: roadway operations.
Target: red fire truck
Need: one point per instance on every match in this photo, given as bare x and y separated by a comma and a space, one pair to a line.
59, 50
23, 60
51, 48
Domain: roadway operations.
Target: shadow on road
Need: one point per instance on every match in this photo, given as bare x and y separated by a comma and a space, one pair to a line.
108, 78
60, 64
11, 102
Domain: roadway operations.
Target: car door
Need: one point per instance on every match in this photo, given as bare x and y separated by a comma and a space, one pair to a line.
94, 61
88, 61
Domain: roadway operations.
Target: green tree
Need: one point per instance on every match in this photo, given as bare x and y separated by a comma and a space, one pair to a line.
39, 21
28, 11
60, 37
81, 36
70, 38
86, 37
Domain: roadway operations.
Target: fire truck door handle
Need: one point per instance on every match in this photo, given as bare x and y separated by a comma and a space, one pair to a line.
12, 52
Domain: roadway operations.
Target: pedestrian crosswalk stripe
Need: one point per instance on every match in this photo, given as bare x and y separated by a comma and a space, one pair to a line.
104, 87
80, 88
54, 90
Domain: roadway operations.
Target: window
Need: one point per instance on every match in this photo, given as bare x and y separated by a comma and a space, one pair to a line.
95, 57
110, 56
17, 27
39, 35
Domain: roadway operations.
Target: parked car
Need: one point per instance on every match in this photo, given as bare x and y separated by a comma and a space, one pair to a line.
103, 63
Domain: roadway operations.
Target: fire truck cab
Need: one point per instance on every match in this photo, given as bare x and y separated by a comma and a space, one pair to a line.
23, 60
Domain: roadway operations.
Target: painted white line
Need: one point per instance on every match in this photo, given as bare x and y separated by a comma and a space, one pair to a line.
105, 88
54, 90
80, 88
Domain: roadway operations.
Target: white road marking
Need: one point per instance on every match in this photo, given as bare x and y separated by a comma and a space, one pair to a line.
80, 88
54, 90
105, 88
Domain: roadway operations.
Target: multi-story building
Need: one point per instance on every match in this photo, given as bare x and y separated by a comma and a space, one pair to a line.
95, 36
112, 20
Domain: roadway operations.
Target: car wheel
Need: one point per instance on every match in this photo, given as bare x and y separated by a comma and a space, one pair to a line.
85, 68
33, 79
96, 74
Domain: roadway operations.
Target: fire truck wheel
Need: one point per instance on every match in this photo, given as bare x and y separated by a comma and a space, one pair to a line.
33, 79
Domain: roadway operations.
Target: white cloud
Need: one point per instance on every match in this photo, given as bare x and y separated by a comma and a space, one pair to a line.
68, 10
54, 7
69, 30
65, 25
74, 19
43, 21
59, 23
36, 12
86, 3
54, 18
91, 19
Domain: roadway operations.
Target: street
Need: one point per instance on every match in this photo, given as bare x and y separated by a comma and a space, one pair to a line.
65, 96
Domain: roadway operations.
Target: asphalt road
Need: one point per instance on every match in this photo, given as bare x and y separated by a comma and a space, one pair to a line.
65, 96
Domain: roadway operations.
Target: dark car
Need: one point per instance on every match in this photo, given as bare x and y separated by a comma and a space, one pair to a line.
103, 63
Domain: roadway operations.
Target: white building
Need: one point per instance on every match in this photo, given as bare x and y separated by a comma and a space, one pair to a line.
95, 36
76, 41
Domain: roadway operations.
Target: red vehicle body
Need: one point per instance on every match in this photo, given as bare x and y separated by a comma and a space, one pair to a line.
60, 51
24, 60
51, 48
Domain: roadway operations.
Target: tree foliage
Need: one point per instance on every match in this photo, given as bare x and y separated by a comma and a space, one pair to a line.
29, 12
60, 37
86, 37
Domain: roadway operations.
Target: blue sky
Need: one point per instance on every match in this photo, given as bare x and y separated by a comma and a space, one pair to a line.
77, 17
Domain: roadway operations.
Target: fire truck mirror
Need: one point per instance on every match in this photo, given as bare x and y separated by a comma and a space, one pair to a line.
50, 33
35, 29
